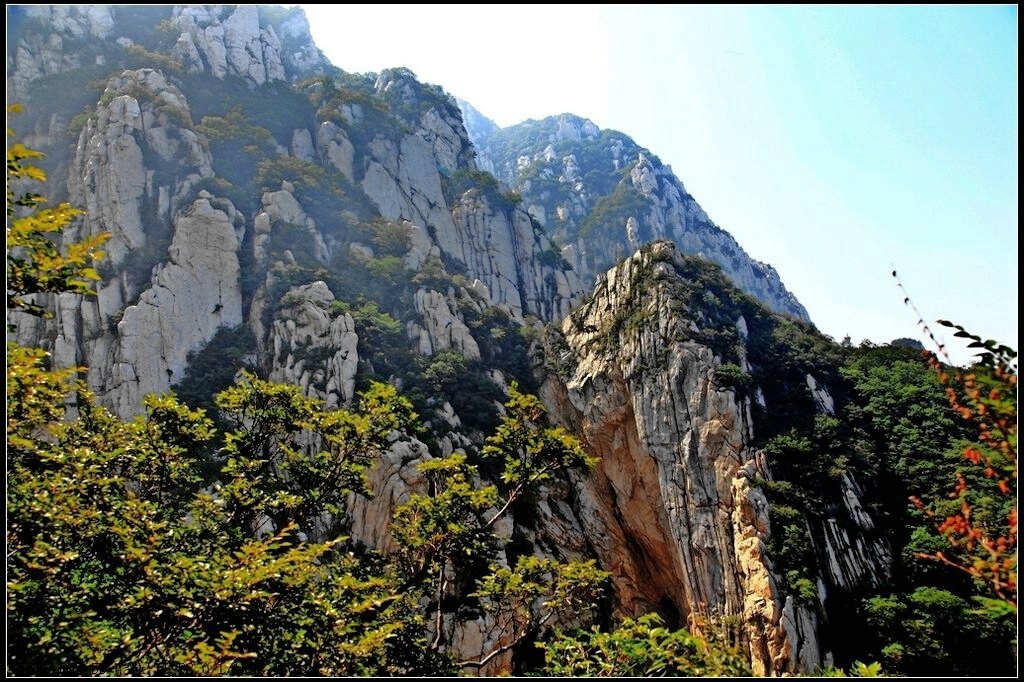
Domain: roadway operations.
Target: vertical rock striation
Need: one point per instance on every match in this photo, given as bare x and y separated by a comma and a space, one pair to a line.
230, 40
172, 265
672, 510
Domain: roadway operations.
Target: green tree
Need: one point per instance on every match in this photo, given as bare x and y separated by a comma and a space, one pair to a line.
35, 264
449, 529
931, 631
526, 598
641, 648
120, 563
979, 524
289, 461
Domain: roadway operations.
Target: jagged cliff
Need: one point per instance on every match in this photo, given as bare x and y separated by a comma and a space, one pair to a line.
674, 508
603, 197
350, 226
143, 173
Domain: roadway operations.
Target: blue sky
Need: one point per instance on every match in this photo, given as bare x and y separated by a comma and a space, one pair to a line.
834, 143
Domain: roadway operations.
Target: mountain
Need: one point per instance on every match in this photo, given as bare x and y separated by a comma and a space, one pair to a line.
269, 211
478, 128
603, 196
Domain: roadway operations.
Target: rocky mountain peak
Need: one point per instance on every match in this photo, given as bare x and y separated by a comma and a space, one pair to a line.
574, 128
603, 196
676, 484
254, 43
227, 40
432, 112
74, 21
33, 54
478, 126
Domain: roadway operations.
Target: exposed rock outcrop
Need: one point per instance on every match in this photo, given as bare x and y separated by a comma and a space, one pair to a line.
504, 248
53, 50
498, 244
176, 257
192, 295
672, 510
281, 211
434, 115
402, 179
442, 328
334, 147
478, 127
314, 348
113, 180
605, 196
299, 53
222, 40
393, 479
854, 553
230, 40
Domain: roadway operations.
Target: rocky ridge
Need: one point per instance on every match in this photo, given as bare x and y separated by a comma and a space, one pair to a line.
673, 508
603, 196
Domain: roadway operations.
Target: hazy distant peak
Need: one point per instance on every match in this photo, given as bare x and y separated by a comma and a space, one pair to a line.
477, 124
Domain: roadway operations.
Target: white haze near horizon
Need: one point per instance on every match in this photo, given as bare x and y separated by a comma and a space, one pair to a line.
834, 143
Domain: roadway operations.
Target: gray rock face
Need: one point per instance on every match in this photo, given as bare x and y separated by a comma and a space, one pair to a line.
299, 53
190, 296
442, 328
313, 348
282, 211
224, 40
403, 180
822, 398
504, 248
227, 40
393, 479
478, 127
621, 198
75, 21
333, 145
176, 257
111, 180
37, 54
434, 115
193, 294
672, 509
855, 555
499, 245
302, 145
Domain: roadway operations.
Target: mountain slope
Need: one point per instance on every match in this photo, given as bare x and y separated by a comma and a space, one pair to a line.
603, 196
352, 175
271, 212
324, 229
